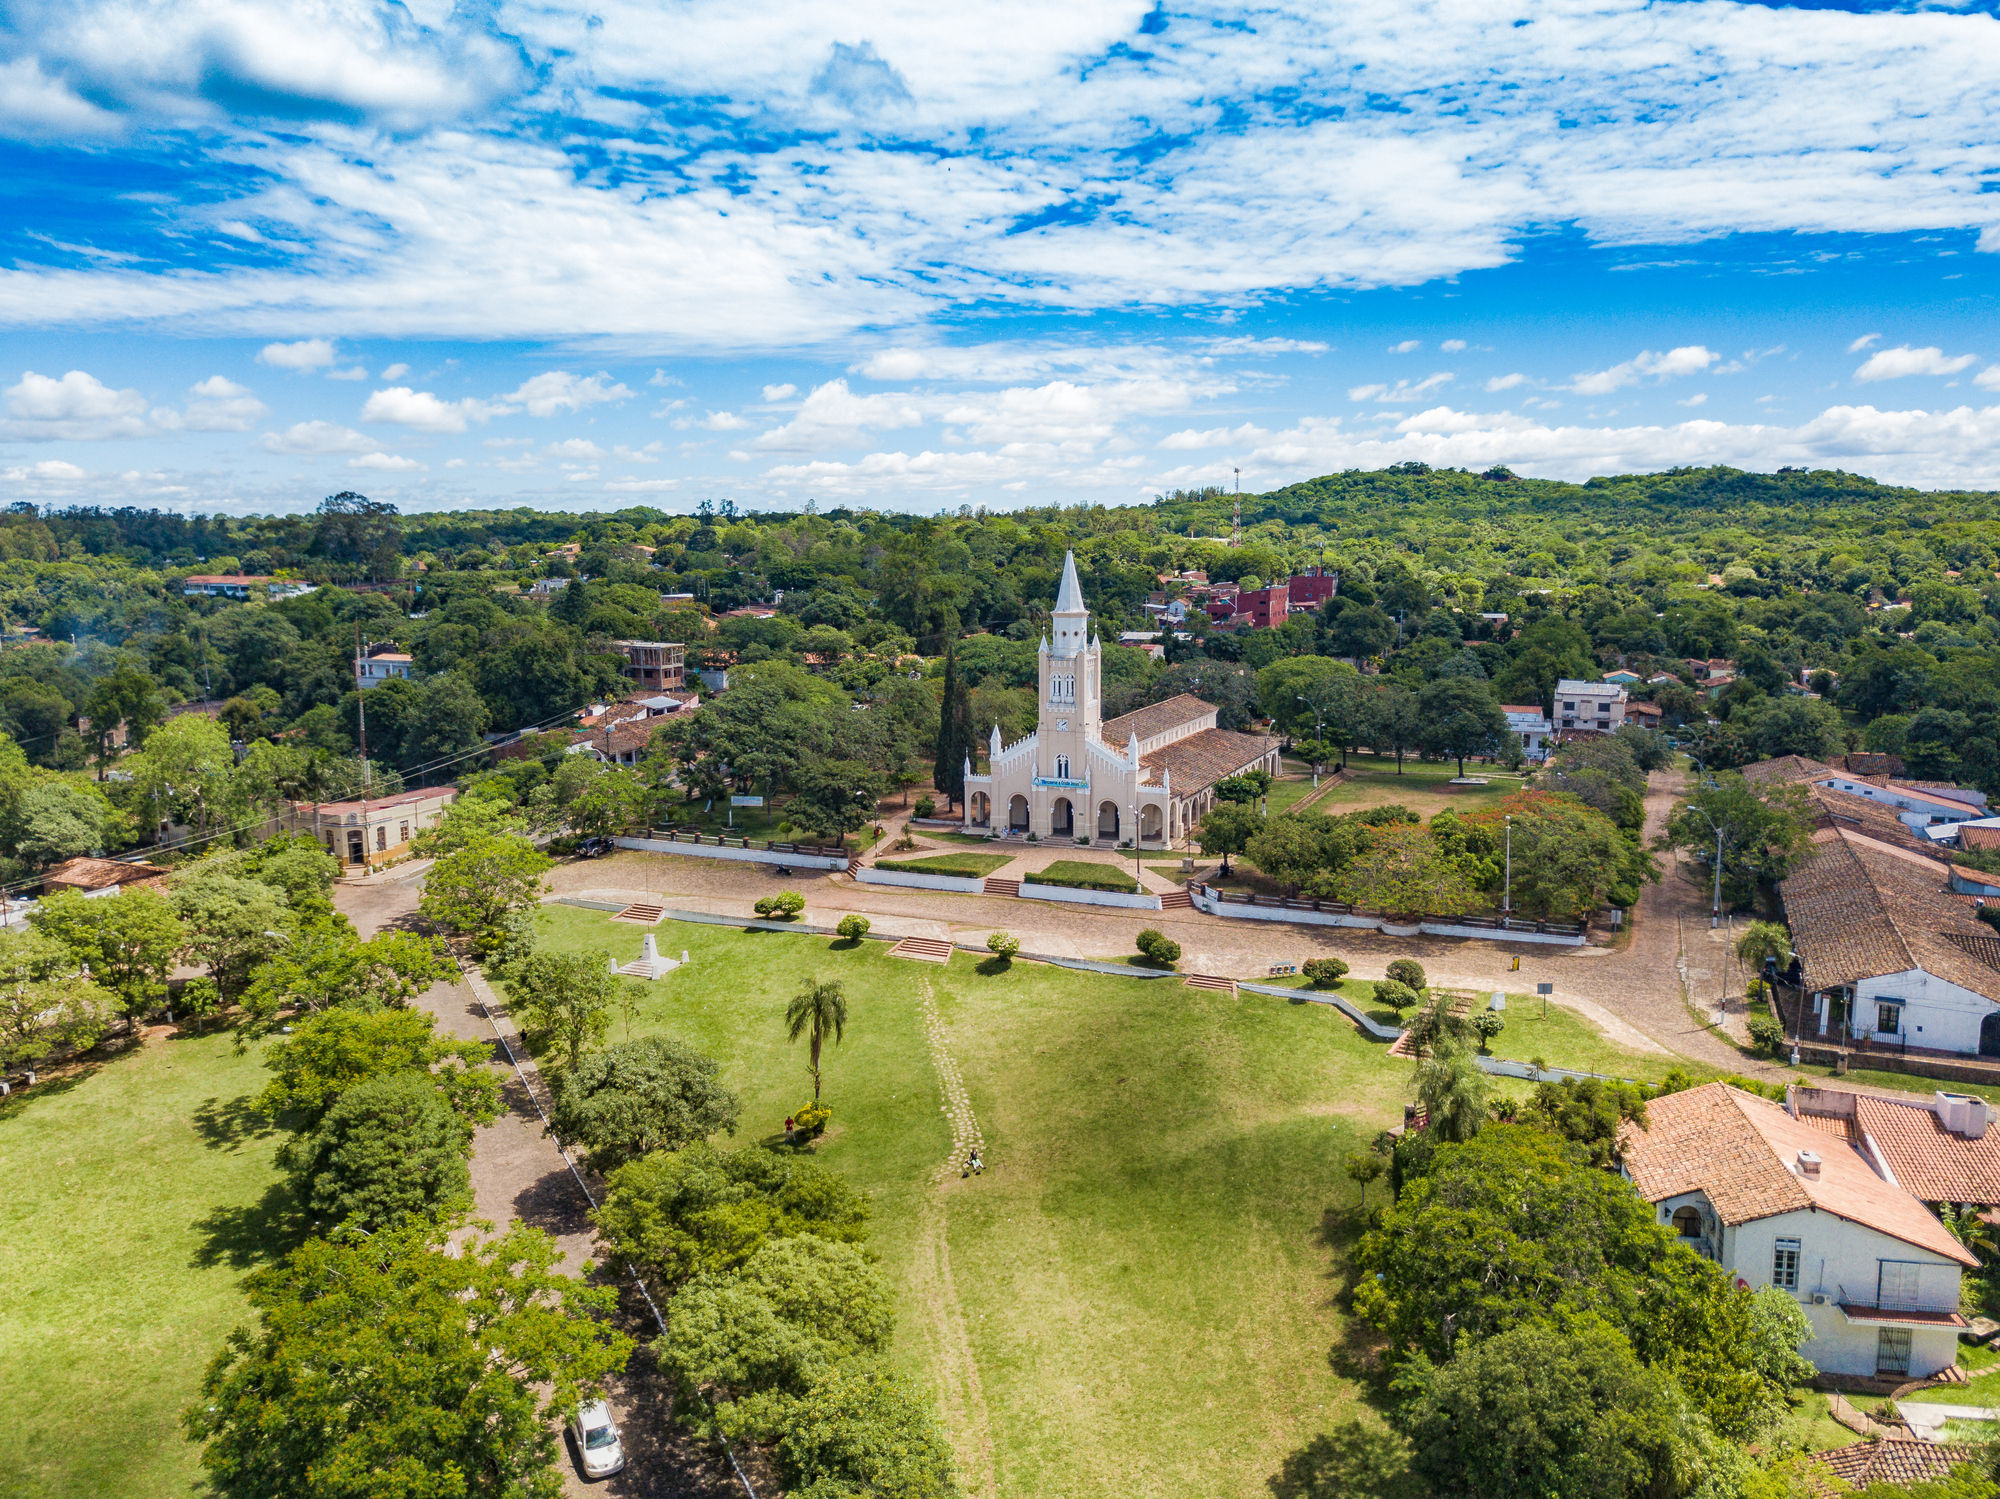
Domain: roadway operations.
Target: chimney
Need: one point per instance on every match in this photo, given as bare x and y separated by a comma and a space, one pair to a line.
1962, 1114
1809, 1165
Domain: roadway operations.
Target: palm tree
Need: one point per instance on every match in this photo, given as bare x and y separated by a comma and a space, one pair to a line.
1452, 1091
822, 1007
1761, 940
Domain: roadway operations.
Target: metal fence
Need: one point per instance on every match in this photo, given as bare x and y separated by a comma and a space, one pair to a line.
723, 840
1343, 908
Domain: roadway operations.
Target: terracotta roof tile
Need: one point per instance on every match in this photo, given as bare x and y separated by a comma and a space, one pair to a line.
98, 874
1979, 837
1892, 1460
1200, 760
1860, 908
1739, 1151
1930, 1161
1787, 770
1154, 718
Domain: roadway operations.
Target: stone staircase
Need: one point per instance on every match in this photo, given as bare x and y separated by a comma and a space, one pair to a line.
1212, 981
1002, 887
642, 913
923, 949
1177, 900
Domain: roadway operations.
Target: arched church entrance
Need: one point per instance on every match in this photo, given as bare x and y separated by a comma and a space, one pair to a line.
1062, 818
1107, 821
1017, 814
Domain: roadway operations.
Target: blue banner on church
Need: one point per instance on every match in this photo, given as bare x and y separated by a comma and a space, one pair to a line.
1065, 785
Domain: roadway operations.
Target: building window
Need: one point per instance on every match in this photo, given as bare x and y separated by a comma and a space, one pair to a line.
1687, 1222
1892, 1351
1062, 767
403, 833
1888, 1017
1785, 1264
381, 839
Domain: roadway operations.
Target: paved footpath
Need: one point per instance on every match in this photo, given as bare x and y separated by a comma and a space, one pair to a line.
520, 1176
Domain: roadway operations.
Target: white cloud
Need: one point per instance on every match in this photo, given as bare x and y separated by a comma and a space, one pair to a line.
1407, 346
1988, 378
1689, 359
316, 438
559, 391
79, 406
306, 354
352, 372
395, 372
715, 421
1863, 342
1453, 346
575, 447
404, 407
47, 470
1402, 391
221, 405
387, 463
831, 415
1225, 347
1896, 363
1214, 437
34, 105
780, 392
1699, 398
1506, 382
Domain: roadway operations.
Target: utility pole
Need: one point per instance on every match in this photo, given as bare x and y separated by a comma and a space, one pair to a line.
1507, 897
1236, 523
361, 712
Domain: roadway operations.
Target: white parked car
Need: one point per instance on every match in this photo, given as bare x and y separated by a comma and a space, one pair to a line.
597, 1441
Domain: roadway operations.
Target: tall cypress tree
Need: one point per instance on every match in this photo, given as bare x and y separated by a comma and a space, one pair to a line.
948, 773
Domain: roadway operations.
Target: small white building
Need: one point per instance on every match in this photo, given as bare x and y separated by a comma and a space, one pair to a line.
361, 833
1779, 1200
1531, 726
373, 671
1596, 707
1918, 803
1888, 952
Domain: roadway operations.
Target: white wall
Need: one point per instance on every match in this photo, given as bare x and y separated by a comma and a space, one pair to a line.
1937, 1014
1141, 902
744, 855
963, 885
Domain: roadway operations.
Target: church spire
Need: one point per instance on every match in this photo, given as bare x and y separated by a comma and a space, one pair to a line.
1069, 596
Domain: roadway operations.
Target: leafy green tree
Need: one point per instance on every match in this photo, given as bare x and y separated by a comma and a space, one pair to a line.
1325, 972
565, 1000
1292, 687
388, 1148
54, 820
1408, 971
1588, 1112
675, 1214
818, 1010
636, 1097
384, 1365
1809, 727
779, 1322
471, 892
1460, 718
1405, 872
1569, 859
1545, 652
325, 966
186, 773
955, 739
1396, 722
469, 819
1246, 789
1542, 1410
861, 1430
1764, 939
835, 798
1766, 833
328, 1053
46, 1008
852, 928
128, 941
126, 696
446, 718
233, 923
1003, 945
1227, 828
1394, 993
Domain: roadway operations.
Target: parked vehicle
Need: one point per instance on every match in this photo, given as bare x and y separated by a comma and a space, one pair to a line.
595, 848
598, 1447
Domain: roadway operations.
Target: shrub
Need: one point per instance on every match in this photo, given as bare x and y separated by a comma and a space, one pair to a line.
1003, 945
389, 1148
853, 928
1158, 947
655, 1093
811, 1119
1408, 971
1394, 993
1767, 1033
1326, 972
924, 807
1487, 1025
783, 906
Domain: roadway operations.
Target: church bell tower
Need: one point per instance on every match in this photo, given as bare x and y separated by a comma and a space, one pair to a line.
1072, 682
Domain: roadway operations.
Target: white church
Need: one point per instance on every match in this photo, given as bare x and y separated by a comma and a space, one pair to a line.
1080, 777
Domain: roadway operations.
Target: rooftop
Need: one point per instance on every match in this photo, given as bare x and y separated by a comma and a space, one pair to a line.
1738, 1151
1859, 908
237, 579
1893, 1460
1203, 759
99, 874
1154, 718
377, 803
1788, 770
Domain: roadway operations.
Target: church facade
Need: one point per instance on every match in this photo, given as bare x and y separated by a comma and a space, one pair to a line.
1084, 777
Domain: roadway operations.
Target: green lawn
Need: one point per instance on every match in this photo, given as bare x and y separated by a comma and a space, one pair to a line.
1297, 782
1084, 874
136, 1198
1425, 789
1137, 1297
970, 865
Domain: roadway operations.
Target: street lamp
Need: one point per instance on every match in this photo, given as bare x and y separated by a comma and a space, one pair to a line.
1507, 894
1715, 900
1319, 729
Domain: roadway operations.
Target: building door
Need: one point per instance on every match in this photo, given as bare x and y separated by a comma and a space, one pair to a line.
1892, 1352
1017, 814
1107, 821
1989, 1035
1062, 818
354, 849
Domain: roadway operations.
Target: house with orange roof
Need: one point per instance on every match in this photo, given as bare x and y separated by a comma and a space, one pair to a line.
1781, 1202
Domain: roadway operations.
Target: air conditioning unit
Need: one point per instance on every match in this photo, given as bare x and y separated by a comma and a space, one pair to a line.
1819, 1298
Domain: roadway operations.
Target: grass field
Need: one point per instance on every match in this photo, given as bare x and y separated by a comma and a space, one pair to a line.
1084, 874
137, 1196
1138, 1297
1424, 789
969, 864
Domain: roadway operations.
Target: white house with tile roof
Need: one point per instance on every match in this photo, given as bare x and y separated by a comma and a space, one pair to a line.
1779, 1201
1081, 776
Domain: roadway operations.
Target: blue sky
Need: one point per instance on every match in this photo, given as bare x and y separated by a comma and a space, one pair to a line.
917, 256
